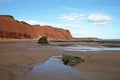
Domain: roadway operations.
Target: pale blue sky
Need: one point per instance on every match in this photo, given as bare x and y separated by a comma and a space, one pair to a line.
83, 18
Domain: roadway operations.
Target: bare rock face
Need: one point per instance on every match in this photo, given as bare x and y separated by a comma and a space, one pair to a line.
11, 28
52, 33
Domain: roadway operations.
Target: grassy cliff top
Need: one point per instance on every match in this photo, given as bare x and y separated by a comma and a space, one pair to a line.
7, 16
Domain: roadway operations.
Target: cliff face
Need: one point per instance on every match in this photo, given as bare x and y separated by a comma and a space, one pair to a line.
52, 33
10, 28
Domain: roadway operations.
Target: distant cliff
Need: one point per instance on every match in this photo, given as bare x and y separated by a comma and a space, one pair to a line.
11, 28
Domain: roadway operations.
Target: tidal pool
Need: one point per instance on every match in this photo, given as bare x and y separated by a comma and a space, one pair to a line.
87, 48
53, 69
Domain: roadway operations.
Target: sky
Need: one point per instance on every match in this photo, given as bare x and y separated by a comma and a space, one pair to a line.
83, 18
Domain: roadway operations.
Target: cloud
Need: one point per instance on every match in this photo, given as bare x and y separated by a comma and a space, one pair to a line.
34, 22
72, 17
64, 25
73, 26
42, 23
103, 23
99, 19
96, 19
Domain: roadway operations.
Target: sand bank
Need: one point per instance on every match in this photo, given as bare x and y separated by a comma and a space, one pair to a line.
17, 58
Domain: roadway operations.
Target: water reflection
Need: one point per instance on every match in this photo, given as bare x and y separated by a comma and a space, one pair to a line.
54, 69
87, 48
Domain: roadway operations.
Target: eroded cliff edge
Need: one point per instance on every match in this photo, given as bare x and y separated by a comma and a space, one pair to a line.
11, 28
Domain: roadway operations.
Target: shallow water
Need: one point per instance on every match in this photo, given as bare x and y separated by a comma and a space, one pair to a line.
87, 48
53, 69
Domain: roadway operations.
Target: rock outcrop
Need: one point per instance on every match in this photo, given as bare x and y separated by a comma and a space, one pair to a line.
11, 28
52, 33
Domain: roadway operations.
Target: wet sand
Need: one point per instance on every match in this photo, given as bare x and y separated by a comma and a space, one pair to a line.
17, 59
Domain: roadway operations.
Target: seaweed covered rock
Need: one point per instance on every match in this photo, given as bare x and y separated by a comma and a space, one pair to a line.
43, 40
71, 60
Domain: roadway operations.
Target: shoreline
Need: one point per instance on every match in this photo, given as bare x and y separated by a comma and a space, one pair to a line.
21, 56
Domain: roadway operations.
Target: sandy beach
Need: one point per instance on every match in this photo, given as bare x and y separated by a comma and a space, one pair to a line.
17, 60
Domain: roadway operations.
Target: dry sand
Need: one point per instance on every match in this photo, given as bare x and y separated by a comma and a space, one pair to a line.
17, 59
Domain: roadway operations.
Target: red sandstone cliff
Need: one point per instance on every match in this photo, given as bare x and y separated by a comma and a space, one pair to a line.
10, 28
53, 33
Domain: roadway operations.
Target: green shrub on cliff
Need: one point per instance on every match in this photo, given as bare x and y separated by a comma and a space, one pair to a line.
43, 40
